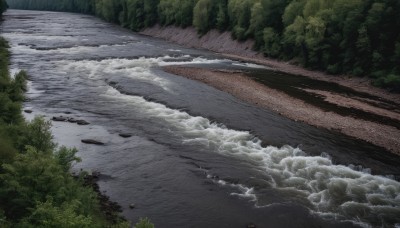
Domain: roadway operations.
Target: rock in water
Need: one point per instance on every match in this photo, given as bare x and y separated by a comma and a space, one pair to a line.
251, 225
123, 135
72, 120
92, 141
131, 206
59, 119
28, 111
82, 122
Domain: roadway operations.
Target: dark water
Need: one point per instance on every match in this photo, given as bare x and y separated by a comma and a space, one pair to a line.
198, 157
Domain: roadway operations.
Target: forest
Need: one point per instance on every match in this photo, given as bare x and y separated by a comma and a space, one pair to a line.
354, 37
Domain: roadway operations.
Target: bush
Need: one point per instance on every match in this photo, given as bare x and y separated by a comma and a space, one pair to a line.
48, 215
144, 223
37, 134
239, 33
333, 69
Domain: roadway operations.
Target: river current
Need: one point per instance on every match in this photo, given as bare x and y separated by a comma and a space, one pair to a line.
198, 157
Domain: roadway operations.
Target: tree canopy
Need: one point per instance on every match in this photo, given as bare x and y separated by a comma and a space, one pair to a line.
355, 37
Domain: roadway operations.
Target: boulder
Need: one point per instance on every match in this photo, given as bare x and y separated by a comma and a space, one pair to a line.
131, 206
28, 111
92, 141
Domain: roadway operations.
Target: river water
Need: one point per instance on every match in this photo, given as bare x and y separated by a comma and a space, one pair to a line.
197, 157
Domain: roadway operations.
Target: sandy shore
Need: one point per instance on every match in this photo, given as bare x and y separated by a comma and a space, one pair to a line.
246, 89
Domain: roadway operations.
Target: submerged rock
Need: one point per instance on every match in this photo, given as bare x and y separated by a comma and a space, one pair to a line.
251, 225
131, 206
92, 141
112, 83
28, 111
123, 135
72, 120
82, 122
59, 119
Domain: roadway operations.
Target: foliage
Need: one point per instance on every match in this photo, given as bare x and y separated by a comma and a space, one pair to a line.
144, 223
48, 215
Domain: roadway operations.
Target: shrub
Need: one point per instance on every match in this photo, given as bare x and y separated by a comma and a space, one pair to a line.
144, 223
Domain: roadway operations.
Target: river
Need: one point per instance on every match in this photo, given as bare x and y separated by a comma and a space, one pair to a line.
198, 157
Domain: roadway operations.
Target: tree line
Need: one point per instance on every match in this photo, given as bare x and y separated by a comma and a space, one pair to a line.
357, 37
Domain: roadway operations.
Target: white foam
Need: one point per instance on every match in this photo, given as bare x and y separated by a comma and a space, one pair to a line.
197, 60
33, 91
244, 191
250, 65
27, 36
175, 50
14, 72
329, 188
24, 49
141, 68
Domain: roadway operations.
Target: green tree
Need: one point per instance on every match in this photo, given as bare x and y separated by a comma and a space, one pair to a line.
136, 14
294, 9
48, 215
240, 14
150, 11
202, 16
272, 46
166, 13
222, 17
37, 134
257, 24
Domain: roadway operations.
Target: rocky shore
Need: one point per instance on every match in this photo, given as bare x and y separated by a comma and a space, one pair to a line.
110, 209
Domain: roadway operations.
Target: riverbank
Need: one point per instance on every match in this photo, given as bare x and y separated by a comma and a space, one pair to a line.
246, 89
224, 44
37, 188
